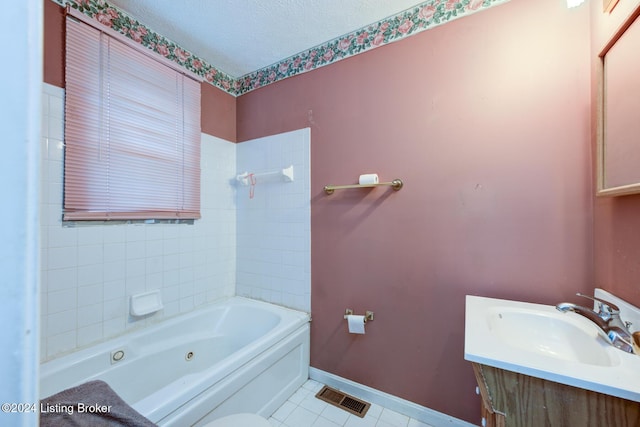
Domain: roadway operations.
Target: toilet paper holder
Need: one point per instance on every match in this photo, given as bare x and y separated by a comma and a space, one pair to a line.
368, 315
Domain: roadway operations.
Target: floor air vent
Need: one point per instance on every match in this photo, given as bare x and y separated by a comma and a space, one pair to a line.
344, 401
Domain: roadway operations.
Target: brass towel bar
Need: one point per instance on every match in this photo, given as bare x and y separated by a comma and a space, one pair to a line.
396, 184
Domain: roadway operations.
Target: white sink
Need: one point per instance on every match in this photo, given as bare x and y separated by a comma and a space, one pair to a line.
540, 341
551, 334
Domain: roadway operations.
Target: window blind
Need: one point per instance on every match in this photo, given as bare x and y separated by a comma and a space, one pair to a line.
132, 132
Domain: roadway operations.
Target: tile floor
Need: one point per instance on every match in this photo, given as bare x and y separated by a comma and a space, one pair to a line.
304, 410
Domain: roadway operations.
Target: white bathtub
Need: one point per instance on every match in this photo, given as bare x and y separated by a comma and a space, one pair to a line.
238, 355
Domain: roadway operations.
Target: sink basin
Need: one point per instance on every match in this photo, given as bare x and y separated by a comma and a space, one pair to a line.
540, 341
553, 335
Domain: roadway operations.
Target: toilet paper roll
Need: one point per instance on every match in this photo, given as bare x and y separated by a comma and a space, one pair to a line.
368, 178
356, 324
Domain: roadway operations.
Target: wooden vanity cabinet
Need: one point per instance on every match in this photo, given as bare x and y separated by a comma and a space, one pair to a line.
510, 399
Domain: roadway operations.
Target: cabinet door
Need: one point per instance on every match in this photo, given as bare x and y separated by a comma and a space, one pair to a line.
490, 417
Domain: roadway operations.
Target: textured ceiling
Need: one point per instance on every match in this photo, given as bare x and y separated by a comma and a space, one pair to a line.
242, 36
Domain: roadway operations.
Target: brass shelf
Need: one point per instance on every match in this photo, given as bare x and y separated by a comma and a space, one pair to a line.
396, 184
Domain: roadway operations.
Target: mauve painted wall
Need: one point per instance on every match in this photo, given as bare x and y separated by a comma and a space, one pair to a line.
53, 44
218, 109
487, 121
218, 113
617, 219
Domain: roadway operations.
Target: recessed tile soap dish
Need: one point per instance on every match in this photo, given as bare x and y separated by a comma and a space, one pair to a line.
146, 303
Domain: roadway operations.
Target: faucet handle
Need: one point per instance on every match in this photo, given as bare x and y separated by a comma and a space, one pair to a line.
606, 307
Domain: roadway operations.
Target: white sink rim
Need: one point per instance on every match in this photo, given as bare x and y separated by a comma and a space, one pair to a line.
621, 378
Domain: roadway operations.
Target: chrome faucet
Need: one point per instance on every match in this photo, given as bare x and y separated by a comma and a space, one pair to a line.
607, 318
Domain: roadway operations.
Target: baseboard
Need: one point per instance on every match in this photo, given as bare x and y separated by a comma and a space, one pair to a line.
413, 410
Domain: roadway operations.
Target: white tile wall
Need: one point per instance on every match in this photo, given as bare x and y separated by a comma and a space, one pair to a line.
258, 248
88, 272
274, 227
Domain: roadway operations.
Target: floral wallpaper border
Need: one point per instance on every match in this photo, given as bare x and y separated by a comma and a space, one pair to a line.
411, 21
